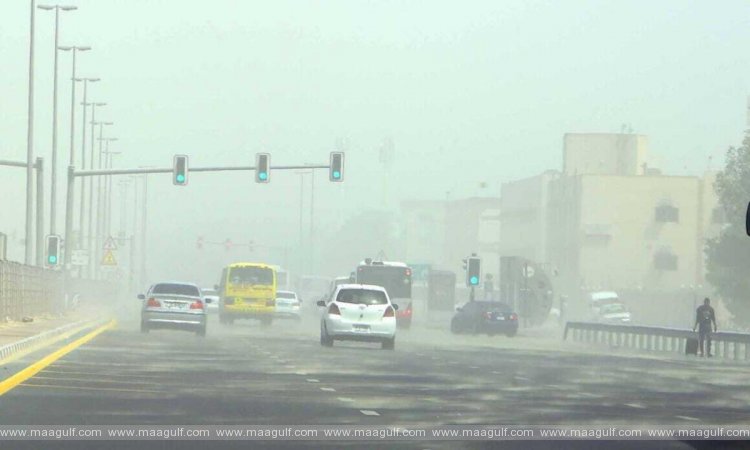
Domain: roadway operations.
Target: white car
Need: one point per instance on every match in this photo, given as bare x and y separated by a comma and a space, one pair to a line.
359, 312
287, 305
213, 306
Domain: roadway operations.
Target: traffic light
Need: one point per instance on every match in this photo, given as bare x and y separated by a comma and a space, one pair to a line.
336, 169
53, 250
262, 167
180, 170
473, 271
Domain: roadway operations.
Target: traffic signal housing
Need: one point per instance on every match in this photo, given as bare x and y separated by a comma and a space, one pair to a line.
53, 250
336, 168
180, 170
262, 168
473, 271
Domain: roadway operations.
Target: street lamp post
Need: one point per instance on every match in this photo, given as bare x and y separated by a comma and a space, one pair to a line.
92, 236
74, 49
106, 216
53, 168
81, 220
98, 242
30, 142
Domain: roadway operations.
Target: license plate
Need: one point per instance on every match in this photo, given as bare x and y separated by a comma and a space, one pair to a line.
500, 318
173, 305
358, 327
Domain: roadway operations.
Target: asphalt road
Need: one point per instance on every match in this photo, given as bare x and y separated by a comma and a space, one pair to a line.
245, 374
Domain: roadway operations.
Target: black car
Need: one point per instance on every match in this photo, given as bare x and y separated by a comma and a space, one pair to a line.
485, 317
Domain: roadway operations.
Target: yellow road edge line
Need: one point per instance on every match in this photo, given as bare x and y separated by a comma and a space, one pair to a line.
18, 355
24, 374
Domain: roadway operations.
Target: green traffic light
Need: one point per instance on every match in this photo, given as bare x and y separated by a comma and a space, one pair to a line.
336, 174
263, 175
180, 178
474, 280
52, 259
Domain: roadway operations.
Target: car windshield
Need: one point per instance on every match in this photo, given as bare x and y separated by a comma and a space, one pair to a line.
175, 289
251, 275
362, 297
285, 295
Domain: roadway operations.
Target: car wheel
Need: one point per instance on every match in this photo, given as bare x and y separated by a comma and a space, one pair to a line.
389, 344
144, 326
325, 339
455, 329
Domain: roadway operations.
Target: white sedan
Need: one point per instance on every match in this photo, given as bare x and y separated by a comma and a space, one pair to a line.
287, 305
359, 312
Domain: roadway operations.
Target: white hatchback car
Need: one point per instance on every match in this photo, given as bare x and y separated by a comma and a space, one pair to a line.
359, 312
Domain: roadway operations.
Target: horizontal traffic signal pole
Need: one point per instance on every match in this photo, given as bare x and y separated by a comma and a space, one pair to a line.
143, 171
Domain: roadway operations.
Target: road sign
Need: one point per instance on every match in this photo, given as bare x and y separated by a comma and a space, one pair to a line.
80, 258
109, 244
109, 259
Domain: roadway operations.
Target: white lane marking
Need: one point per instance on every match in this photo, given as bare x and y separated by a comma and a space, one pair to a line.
695, 419
521, 378
300, 373
327, 389
636, 405
345, 399
495, 372
313, 380
369, 412
290, 366
473, 367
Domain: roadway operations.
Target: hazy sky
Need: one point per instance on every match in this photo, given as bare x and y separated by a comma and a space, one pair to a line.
468, 91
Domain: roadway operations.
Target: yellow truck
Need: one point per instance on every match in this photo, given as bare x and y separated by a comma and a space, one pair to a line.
247, 291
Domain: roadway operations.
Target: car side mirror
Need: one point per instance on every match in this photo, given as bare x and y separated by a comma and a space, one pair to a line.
141, 297
321, 303
395, 306
208, 300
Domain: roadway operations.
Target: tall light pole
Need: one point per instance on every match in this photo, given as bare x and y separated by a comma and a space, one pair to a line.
92, 236
74, 49
107, 213
53, 167
301, 220
30, 142
99, 205
81, 221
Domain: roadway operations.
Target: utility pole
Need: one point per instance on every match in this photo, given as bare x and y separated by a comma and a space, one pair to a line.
312, 221
92, 236
40, 212
84, 239
144, 234
53, 196
30, 145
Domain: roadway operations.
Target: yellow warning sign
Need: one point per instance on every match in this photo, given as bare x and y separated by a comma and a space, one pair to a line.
109, 259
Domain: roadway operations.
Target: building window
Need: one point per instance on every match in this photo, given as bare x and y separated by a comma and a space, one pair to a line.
667, 213
665, 260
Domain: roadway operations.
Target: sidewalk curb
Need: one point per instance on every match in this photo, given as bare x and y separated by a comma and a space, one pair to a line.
13, 348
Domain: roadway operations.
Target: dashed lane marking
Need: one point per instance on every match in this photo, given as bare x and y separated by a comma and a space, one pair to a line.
694, 419
369, 412
313, 380
328, 389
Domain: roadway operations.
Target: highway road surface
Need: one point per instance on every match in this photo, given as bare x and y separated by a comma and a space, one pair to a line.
246, 374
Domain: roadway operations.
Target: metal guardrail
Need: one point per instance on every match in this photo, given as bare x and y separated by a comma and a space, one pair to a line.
9, 350
28, 290
725, 344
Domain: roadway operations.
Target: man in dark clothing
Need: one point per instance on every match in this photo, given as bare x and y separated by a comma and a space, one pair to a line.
704, 318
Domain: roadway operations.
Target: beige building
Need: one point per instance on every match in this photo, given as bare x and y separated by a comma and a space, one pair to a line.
609, 221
